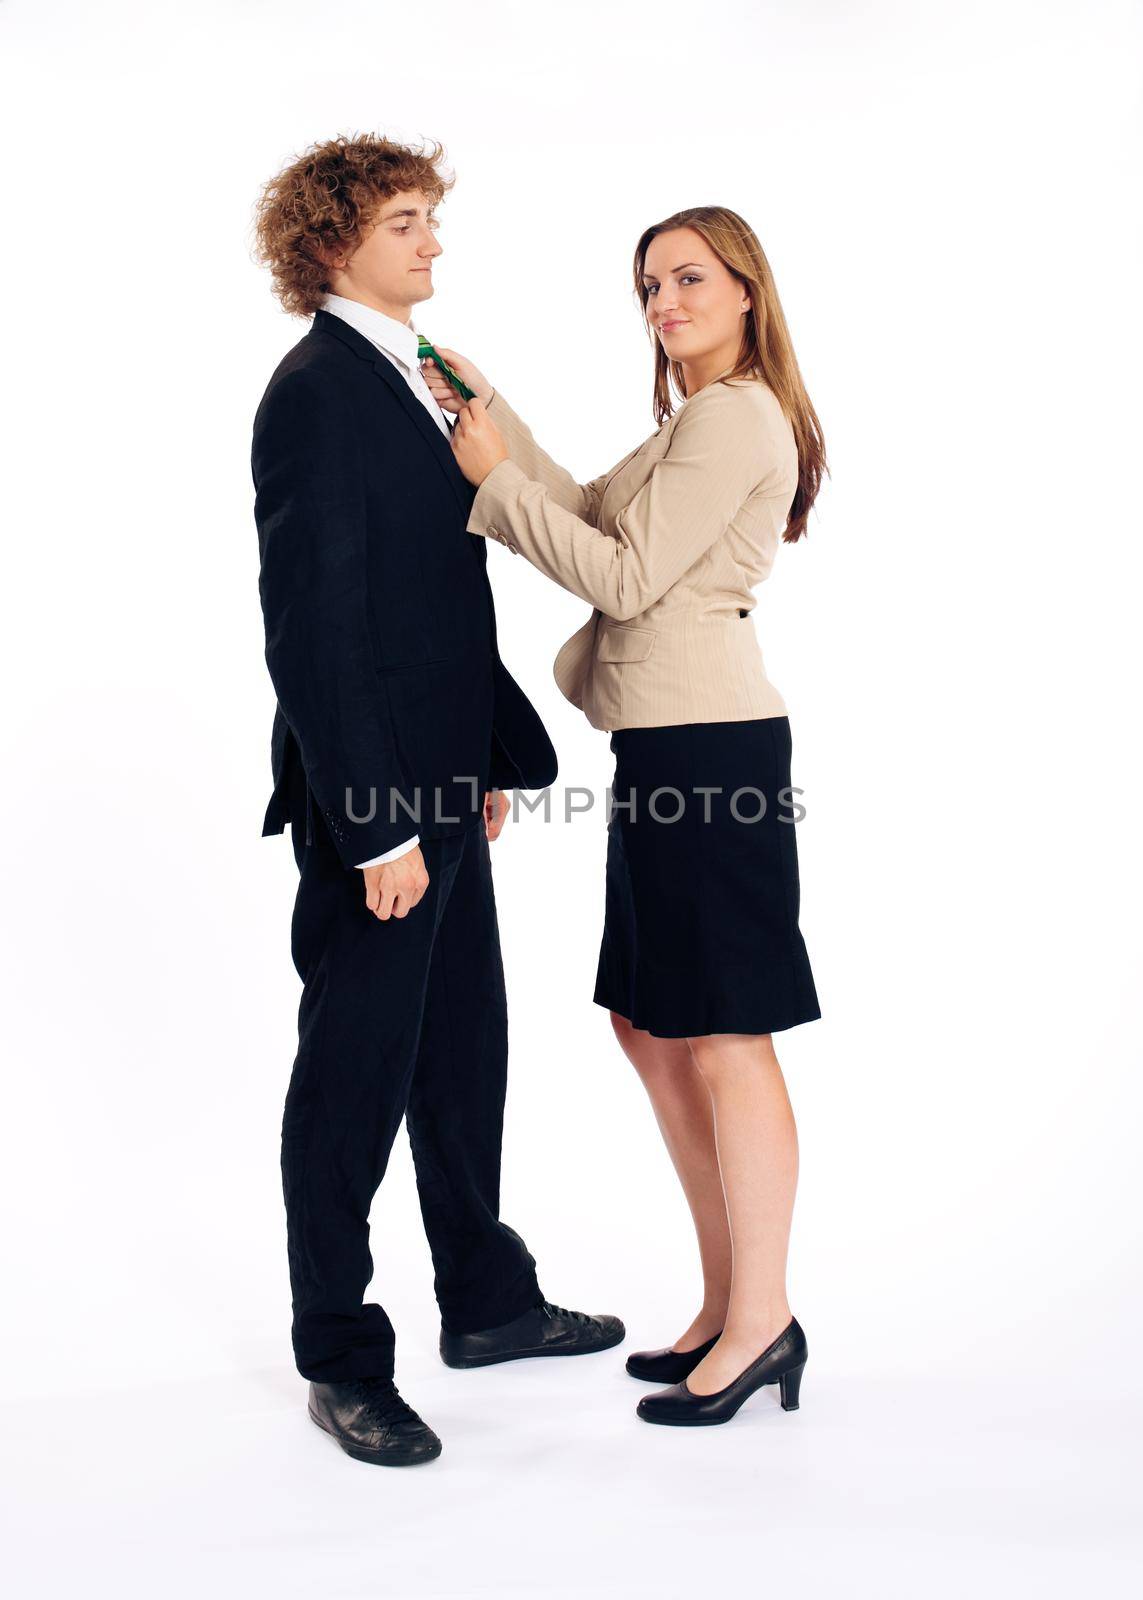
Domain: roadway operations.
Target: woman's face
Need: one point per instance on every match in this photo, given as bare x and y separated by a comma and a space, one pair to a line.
694, 304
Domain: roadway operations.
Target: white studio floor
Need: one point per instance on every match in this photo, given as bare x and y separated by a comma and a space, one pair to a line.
549, 1486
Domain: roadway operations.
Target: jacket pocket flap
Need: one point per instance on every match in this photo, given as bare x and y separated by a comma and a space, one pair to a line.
616, 643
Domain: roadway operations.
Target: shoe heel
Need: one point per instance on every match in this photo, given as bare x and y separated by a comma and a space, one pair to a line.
789, 1387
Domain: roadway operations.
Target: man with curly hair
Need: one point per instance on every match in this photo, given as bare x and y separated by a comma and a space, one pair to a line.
396, 731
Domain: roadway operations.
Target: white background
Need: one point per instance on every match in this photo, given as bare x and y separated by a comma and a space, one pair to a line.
947, 194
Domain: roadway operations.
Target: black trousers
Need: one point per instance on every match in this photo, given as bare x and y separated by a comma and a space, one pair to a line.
403, 1018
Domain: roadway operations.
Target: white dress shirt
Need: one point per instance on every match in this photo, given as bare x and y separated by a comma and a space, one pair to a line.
399, 342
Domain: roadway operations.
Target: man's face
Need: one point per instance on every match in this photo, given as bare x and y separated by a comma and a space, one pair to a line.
391, 269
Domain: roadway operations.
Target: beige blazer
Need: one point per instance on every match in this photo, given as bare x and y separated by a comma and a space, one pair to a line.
667, 547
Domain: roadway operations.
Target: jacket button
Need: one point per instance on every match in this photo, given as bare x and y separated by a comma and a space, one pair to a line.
515, 549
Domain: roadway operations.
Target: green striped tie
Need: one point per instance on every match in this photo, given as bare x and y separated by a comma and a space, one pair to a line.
425, 351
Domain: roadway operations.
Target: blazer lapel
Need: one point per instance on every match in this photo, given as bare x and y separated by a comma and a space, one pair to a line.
326, 322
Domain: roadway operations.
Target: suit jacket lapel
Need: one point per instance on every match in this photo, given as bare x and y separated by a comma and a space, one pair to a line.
327, 322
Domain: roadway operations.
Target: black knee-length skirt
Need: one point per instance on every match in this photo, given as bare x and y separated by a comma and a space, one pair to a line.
702, 896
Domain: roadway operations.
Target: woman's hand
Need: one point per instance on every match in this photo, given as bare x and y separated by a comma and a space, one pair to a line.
442, 390
477, 442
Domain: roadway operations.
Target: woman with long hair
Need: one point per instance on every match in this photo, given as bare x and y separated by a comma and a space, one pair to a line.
702, 959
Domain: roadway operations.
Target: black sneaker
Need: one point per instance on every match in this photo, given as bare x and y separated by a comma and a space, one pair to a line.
371, 1422
545, 1330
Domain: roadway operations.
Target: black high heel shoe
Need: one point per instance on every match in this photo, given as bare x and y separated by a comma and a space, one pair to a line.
668, 1366
781, 1363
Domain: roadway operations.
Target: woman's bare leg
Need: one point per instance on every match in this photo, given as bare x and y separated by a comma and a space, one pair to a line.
682, 1106
757, 1145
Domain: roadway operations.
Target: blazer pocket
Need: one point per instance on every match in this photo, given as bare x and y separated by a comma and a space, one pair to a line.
617, 642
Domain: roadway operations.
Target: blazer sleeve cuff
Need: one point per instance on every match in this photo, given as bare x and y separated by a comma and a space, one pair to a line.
494, 506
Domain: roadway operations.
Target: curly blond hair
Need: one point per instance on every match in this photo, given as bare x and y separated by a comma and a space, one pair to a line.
326, 199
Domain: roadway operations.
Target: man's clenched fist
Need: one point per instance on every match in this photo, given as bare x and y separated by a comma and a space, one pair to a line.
394, 888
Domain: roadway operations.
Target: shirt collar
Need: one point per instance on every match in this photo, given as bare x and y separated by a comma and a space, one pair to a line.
394, 338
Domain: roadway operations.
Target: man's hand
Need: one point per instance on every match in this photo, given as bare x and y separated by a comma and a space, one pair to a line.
477, 442
395, 887
442, 390
496, 809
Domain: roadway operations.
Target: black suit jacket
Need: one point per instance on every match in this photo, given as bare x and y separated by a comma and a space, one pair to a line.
395, 712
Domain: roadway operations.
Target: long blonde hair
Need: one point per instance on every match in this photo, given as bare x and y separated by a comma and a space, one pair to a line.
767, 350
